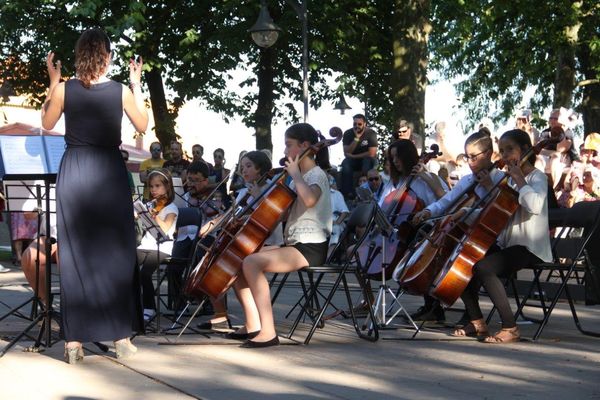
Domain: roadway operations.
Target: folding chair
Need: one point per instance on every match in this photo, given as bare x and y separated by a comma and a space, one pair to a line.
570, 255
342, 260
174, 267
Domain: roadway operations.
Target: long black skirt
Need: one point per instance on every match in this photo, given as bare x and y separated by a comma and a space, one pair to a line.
99, 278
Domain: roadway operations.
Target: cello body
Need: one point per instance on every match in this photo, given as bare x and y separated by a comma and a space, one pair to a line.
219, 267
419, 267
402, 204
457, 271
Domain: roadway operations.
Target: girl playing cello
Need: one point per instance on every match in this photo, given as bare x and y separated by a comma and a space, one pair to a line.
306, 236
405, 162
478, 155
253, 166
525, 241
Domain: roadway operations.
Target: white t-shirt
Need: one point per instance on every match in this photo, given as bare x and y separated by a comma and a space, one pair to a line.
149, 243
311, 225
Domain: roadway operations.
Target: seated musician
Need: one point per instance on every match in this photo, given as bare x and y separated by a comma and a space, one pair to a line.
254, 165
36, 252
405, 162
149, 253
478, 155
523, 242
306, 235
198, 195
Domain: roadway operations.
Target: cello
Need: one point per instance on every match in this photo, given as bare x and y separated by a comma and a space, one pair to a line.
245, 233
456, 247
502, 203
397, 207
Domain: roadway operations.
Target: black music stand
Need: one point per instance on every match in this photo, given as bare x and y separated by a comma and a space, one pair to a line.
47, 312
160, 236
380, 307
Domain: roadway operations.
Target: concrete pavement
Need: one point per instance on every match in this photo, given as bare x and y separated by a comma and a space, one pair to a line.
335, 365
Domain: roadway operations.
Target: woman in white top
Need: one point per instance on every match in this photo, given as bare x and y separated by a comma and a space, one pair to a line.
306, 237
524, 241
149, 253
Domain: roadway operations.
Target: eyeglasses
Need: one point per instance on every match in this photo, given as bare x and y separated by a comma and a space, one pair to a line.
374, 179
474, 157
553, 118
155, 149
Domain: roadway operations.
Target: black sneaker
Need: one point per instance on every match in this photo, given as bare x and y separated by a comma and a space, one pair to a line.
429, 314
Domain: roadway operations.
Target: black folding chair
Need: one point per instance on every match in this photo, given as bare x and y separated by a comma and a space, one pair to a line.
570, 255
175, 267
342, 260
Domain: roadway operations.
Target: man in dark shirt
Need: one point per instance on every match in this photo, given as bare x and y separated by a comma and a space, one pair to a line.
360, 150
177, 165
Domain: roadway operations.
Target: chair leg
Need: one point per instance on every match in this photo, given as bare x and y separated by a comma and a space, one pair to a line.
324, 307
279, 287
304, 307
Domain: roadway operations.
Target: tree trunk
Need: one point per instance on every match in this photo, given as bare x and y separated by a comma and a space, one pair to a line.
164, 121
590, 103
263, 116
564, 80
411, 28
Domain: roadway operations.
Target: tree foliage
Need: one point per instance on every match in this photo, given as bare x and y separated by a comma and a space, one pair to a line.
497, 49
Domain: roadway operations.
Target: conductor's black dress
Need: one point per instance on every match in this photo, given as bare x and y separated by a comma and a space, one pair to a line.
99, 296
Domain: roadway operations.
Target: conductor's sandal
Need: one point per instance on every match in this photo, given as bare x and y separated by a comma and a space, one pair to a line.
505, 335
73, 355
125, 349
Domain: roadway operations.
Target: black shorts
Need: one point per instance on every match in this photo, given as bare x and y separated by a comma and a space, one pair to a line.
315, 253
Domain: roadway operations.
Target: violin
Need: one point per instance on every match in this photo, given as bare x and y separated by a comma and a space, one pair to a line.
155, 206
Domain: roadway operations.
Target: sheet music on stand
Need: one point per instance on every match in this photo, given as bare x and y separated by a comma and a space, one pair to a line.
148, 222
381, 220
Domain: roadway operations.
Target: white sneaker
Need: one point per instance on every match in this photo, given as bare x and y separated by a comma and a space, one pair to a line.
4, 269
149, 314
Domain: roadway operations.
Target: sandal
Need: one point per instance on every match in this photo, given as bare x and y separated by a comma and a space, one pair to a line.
505, 335
472, 330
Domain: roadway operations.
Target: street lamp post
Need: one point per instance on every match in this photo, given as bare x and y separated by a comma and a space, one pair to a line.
265, 33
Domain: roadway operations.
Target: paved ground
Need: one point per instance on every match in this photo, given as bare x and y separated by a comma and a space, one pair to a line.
336, 364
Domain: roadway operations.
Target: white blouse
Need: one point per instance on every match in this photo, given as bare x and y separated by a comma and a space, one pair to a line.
529, 226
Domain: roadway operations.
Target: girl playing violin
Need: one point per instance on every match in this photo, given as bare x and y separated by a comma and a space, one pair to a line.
525, 241
164, 212
306, 237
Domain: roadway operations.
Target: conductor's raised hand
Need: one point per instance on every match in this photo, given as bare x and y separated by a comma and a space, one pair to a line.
135, 70
53, 69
